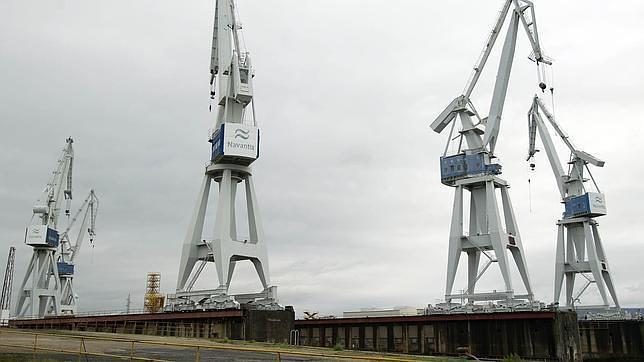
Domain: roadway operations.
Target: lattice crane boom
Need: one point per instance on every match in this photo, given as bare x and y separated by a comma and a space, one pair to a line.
7, 288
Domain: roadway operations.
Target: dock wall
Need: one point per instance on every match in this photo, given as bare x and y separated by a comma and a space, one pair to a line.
551, 336
256, 325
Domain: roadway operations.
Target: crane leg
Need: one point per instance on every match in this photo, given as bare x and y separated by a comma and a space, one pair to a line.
193, 237
495, 229
560, 261
455, 243
608, 280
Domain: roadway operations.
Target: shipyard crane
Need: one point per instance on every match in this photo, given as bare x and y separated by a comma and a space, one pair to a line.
40, 288
69, 250
472, 167
234, 146
579, 246
7, 288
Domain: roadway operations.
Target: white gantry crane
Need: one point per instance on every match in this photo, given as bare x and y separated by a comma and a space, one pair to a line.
472, 168
579, 247
7, 288
235, 145
40, 289
70, 249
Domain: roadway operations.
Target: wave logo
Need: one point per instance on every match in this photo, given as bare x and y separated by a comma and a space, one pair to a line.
241, 133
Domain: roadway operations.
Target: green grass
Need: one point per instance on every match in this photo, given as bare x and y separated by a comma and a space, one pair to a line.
512, 358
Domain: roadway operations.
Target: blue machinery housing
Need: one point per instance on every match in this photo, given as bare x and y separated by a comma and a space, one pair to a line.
52, 238
65, 268
579, 206
461, 165
218, 154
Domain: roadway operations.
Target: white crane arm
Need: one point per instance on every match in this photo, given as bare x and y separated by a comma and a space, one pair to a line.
487, 49
536, 122
530, 26
58, 188
89, 209
564, 136
447, 116
523, 12
229, 66
501, 86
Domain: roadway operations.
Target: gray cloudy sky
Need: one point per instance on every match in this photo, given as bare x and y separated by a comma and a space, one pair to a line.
348, 183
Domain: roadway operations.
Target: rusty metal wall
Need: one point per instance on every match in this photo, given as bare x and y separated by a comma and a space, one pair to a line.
532, 335
612, 340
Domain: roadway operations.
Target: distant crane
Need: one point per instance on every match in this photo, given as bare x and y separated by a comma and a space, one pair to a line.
234, 146
7, 287
579, 247
69, 250
41, 296
472, 168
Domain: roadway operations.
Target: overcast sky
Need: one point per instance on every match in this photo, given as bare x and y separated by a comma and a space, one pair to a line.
348, 179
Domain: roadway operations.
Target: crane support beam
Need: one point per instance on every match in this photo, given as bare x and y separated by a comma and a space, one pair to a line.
487, 49
501, 85
535, 120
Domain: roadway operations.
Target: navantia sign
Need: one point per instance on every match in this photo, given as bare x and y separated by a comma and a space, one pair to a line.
235, 140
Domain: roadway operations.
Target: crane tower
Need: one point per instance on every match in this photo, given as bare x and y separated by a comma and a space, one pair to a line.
41, 286
579, 247
7, 288
234, 146
473, 168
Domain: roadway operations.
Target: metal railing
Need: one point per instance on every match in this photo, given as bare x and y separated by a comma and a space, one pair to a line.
132, 350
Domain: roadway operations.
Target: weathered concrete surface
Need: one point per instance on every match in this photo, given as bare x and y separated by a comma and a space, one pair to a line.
268, 326
612, 340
